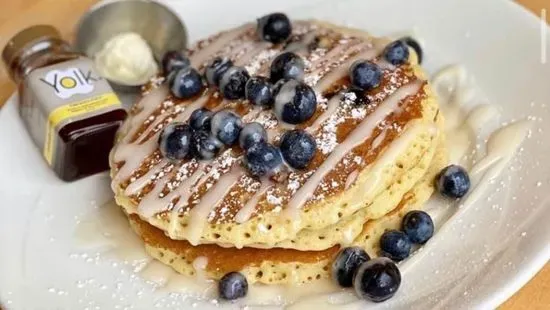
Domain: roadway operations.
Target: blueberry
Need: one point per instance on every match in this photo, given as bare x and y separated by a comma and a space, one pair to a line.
377, 280
277, 86
187, 82
200, 119
252, 134
205, 146
365, 75
298, 148
263, 159
233, 82
453, 182
226, 127
233, 286
418, 226
174, 60
415, 46
295, 103
175, 141
396, 53
346, 264
274, 28
215, 70
287, 65
395, 245
258, 91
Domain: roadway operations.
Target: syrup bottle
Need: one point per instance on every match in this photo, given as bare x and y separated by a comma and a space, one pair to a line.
71, 113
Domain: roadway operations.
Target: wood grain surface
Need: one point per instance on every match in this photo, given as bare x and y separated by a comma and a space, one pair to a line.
63, 14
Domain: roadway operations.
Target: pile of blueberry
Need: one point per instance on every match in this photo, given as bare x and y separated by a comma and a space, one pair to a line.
417, 226
375, 279
207, 133
378, 279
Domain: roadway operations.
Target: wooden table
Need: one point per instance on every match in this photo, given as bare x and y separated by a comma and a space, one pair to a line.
63, 14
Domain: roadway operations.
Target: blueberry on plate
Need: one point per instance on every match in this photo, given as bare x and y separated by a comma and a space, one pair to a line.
453, 182
200, 119
346, 264
175, 141
365, 75
263, 159
295, 102
252, 134
233, 286
418, 226
274, 28
205, 146
397, 53
233, 82
377, 280
226, 126
287, 65
395, 245
187, 83
298, 148
258, 91
415, 46
215, 70
174, 60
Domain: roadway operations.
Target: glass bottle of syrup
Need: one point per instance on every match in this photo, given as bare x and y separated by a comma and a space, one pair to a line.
71, 113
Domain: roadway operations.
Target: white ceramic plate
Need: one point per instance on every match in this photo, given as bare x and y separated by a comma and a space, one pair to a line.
478, 259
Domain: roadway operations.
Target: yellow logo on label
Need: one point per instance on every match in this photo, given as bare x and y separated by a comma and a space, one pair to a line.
72, 81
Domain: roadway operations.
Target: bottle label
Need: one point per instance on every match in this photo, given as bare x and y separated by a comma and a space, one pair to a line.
72, 111
64, 93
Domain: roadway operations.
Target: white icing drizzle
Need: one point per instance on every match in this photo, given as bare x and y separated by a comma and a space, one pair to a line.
348, 48
301, 47
358, 136
351, 178
332, 107
183, 113
134, 154
342, 69
204, 54
184, 191
379, 139
258, 48
198, 216
454, 91
501, 147
200, 263
147, 105
246, 212
141, 182
137, 150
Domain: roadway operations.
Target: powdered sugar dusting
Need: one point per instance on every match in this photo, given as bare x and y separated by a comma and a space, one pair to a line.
322, 54
260, 60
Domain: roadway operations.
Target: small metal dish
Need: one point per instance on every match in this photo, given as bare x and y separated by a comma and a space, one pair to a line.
158, 25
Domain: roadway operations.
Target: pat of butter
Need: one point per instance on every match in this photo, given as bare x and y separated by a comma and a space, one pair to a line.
126, 59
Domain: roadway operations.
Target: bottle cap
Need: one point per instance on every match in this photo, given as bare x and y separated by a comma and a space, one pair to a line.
27, 42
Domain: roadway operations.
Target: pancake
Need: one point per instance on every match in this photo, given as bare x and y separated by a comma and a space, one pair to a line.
380, 144
276, 265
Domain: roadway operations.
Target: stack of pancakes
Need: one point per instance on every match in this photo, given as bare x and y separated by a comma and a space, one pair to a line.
378, 154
